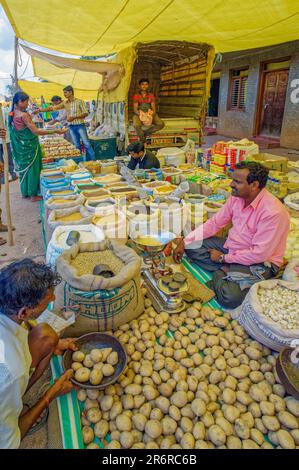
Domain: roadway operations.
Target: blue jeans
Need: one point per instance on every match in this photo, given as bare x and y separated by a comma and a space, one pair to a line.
78, 133
11, 168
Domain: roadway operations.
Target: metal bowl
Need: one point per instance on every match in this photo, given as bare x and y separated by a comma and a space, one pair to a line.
163, 238
98, 341
288, 371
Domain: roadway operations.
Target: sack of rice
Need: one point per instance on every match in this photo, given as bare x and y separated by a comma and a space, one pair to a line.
60, 241
105, 302
77, 215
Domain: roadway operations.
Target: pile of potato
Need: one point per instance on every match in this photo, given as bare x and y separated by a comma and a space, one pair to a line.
96, 365
207, 385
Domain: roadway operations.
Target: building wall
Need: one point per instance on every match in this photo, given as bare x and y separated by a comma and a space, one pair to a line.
241, 124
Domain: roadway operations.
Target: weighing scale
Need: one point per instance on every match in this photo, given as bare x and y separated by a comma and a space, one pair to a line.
153, 270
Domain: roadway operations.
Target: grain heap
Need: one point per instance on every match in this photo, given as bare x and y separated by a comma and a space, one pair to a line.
207, 385
74, 217
84, 263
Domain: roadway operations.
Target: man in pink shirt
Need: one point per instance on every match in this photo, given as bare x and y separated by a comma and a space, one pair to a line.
255, 245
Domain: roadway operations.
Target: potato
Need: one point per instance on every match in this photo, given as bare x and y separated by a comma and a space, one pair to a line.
279, 403
234, 442
96, 377
271, 423
87, 434
93, 445
240, 372
198, 407
123, 423
201, 444
115, 410
106, 351
231, 413
76, 366
169, 426
229, 396
150, 392
138, 401
113, 444
156, 414
243, 398
133, 389
88, 361
94, 415
107, 370
82, 374
96, 355
152, 445
225, 425
216, 435
242, 429
186, 424
256, 436
179, 399
163, 404
295, 435
146, 410
207, 419
127, 402
255, 410
81, 395
285, 439
267, 408
112, 358
260, 425
249, 444
187, 441
153, 428
106, 402
166, 389
101, 429
257, 394
98, 366
292, 406
126, 439
287, 420
78, 356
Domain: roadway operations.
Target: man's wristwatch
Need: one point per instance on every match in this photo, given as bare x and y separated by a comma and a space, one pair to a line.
221, 259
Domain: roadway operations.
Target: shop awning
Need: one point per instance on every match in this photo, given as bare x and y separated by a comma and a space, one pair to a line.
47, 89
89, 27
82, 74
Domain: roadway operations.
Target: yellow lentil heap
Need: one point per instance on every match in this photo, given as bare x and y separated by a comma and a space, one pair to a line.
76, 216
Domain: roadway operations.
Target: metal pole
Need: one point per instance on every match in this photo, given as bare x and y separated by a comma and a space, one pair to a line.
6, 178
15, 71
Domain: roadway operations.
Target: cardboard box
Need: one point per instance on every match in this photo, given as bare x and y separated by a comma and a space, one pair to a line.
273, 162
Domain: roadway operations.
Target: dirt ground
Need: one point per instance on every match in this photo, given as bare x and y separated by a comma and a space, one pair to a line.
27, 236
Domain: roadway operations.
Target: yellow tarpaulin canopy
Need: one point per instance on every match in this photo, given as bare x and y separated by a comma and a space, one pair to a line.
37, 89
93, 27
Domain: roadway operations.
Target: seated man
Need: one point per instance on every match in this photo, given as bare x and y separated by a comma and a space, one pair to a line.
26, 288
139, 156
256, 242
144, 102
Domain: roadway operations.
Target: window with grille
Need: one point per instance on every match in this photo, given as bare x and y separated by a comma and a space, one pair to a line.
238, 89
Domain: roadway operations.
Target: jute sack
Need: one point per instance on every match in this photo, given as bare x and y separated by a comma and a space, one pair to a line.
53, 219
261, 327
103, 304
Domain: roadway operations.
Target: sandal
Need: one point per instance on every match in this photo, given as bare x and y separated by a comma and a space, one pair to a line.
2, 241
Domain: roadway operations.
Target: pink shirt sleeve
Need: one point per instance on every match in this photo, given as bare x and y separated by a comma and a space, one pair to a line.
268, 234
213, 225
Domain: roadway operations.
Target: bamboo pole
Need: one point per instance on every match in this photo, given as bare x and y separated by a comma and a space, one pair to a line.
6, 179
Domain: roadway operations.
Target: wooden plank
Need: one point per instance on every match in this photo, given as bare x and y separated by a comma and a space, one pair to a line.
180, 100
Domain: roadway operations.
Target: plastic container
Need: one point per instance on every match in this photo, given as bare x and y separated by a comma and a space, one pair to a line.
143, 218
174, 216
172, 155
114, 225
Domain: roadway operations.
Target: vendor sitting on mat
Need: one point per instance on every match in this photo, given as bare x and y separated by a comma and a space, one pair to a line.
139, 156
26, 288
255, 245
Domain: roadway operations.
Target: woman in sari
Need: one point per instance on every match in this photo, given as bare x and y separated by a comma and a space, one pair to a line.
25, 146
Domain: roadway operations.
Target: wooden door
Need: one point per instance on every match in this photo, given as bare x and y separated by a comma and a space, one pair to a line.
274, 96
